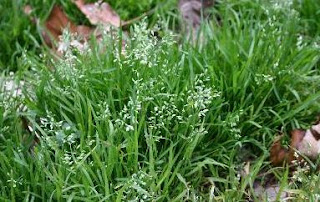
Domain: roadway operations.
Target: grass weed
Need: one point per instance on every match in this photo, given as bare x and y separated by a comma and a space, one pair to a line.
163, 121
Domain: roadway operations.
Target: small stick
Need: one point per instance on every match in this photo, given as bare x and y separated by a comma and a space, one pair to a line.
133, 20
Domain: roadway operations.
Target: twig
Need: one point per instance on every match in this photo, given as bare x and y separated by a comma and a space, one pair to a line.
133, 20
150, 12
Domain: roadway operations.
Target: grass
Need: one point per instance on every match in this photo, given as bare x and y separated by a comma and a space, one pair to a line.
16, 34
164, 121
19, 33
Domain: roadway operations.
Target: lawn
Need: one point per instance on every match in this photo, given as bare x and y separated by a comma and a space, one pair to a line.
161, 118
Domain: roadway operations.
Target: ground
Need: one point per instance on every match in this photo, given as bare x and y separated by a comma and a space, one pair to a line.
163, 117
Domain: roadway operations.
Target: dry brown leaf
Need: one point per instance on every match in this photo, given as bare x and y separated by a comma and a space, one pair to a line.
99, 13
54, 26
57, 22
278, 154
84, 31
305, 142
191, 13
309, 145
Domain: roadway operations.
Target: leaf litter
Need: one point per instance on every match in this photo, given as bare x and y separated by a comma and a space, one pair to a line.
304, 144
304, 148
192, 12
100, 13
97, 13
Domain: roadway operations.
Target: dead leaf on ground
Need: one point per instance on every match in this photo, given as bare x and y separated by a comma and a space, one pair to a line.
303, 142
269, 191
279, 154
99, 13
191, 13
57, 22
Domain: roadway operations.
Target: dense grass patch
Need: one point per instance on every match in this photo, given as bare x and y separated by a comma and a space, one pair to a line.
161, 120
18, 33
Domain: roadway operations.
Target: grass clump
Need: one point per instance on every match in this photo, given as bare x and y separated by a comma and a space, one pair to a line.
159, 120
16, 34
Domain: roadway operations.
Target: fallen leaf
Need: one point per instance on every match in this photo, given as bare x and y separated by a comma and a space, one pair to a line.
191, 13
309, 145
99, 13
303, 142
57, 22
278, 154
269, 192
84, 31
